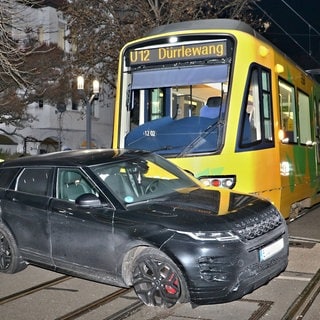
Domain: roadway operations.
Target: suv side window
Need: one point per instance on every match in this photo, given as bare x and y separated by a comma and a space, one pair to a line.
71, 184
34, 181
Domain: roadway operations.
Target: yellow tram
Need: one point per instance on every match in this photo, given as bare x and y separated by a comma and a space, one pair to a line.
221, 102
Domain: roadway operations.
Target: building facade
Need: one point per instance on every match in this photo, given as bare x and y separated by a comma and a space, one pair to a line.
55, 128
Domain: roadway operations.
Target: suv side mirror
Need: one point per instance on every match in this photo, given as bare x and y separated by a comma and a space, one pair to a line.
88, 200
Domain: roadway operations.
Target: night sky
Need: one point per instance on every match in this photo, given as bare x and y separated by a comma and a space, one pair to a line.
301, 20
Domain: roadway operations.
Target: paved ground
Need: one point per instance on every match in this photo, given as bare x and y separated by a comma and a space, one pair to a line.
283, 298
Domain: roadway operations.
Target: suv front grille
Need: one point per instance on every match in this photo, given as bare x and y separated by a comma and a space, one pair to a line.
260, 224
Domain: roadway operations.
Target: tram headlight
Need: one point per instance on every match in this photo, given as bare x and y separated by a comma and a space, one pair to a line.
227, 182
173, 39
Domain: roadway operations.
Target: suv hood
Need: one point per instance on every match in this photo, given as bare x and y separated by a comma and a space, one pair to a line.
201, 207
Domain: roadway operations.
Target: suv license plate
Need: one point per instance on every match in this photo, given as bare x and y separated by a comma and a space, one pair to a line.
271, 249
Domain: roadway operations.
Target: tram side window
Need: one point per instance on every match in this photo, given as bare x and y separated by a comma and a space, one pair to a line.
251, 125
267, 106
304, 118
156, 103
287, 112
135, 110
317, 125
153, 99
257, 125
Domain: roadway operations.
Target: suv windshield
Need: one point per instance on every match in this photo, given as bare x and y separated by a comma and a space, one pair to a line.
143, 178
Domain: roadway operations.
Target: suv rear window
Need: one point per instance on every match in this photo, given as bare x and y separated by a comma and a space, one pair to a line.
6, 176
33, 180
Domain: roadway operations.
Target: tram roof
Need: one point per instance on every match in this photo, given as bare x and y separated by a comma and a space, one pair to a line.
228, 24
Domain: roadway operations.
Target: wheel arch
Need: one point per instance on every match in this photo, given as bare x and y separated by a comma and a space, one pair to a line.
133, 253
143, 253
130, 256
17, 263
128, 260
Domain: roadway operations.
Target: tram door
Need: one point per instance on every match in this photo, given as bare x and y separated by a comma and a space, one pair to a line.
317, 135
306, 138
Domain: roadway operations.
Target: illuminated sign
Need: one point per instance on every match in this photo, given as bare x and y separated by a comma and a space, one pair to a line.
187, 52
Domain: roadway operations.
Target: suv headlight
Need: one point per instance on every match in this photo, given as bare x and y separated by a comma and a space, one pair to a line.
211, 235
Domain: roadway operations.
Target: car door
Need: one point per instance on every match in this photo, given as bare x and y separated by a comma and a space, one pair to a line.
25, 208
82, 238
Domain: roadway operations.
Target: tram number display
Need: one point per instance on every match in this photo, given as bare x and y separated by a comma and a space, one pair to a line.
204, 50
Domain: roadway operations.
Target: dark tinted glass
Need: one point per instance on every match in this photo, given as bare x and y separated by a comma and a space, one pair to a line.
34, 181
6, 176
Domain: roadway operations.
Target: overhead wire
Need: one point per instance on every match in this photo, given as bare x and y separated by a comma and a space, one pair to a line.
305, 21
309, 53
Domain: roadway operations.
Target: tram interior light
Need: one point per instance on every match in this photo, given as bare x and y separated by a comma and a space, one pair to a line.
284, 86
281, 134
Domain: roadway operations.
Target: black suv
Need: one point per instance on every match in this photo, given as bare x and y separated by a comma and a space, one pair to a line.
132, 218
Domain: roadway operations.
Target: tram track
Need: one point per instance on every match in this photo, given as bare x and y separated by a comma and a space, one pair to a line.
125, 312
33, 289
304, 301
293, 239
96, 304
74, 314
133, 306
129, 307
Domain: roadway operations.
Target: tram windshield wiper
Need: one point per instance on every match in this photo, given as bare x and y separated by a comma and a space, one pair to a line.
198, 141
169, 136
165, 148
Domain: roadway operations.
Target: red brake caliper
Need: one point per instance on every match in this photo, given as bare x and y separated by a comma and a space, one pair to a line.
171, 289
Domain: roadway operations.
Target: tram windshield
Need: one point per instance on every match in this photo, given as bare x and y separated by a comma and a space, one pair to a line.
177, 111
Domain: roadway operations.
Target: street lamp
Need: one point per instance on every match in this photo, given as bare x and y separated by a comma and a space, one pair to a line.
61, 108
88, 102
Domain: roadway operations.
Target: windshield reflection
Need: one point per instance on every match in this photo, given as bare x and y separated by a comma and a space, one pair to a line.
143, 178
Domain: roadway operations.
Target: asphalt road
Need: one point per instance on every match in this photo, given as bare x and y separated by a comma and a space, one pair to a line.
39, 294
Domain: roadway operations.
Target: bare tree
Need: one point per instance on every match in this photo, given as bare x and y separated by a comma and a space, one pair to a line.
14, 78
11, 58
97, 31
99, 28
27, 67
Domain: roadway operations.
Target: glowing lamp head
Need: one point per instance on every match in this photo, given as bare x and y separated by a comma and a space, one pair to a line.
80, 83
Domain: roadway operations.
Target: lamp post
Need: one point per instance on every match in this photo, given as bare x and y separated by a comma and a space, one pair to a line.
88, 102
61, 108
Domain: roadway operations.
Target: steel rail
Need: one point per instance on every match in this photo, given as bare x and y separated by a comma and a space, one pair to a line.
31, 290
304, 301
94, 305
127, 311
